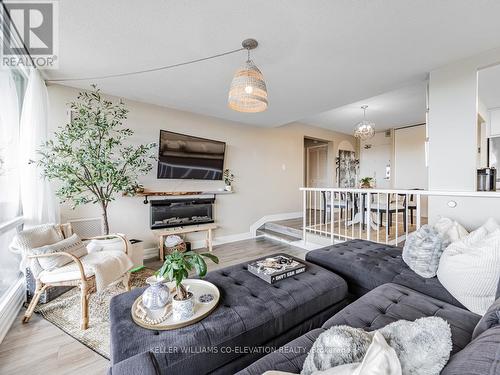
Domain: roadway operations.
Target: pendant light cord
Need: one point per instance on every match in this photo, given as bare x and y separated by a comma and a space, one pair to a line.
149, 70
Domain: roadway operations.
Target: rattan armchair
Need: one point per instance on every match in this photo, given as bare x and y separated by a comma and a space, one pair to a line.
85, 282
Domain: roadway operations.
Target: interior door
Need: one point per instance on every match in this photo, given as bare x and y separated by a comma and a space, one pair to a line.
317, 166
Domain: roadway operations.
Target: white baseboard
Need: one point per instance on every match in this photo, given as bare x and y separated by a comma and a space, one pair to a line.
276, 217
11, 305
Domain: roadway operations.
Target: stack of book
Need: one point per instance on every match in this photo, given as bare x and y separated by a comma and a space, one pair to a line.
276, 268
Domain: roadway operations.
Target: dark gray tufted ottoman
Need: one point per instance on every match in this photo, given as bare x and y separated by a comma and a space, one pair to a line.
252, 318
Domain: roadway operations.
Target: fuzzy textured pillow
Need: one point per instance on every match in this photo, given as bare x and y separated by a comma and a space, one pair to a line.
423, 249
379, 359
72, 245
450, 229
423, 346
470, 268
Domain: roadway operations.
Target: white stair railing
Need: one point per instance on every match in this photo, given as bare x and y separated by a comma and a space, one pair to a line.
380, 215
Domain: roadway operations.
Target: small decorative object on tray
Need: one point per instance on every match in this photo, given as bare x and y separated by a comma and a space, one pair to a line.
157, 295
166, 318
174, 243
276, 268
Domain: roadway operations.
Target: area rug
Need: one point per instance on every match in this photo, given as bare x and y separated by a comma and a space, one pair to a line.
64, 312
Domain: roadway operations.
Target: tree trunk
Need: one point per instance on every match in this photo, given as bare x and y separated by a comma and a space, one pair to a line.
105, 225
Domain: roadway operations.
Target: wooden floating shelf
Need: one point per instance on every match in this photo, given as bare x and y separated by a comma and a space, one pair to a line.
148, 193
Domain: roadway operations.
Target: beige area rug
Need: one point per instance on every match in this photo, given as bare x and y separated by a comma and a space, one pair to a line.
64, 312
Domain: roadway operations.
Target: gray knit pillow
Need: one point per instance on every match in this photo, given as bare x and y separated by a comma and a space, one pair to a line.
423, 249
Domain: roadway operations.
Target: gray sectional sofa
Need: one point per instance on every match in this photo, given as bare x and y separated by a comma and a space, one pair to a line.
387, 291
382, 287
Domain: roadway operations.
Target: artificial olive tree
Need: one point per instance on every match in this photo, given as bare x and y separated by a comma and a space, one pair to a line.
91, 155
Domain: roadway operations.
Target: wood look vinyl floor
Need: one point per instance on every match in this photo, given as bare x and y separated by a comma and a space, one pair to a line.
39, 347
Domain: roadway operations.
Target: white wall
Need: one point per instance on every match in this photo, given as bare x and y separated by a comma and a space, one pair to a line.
410, 171
268, 164
452, 125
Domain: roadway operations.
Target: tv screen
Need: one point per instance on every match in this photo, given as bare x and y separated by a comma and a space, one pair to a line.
186, 157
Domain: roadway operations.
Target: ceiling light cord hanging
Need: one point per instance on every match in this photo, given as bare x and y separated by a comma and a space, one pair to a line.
248, 91
365, 129
165, 67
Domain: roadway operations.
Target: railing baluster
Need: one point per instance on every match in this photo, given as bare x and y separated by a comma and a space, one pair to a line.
397, 217
346, 195
304, 216
407, 197
310, 209
379, 222
418, 201
332, 213
368, 205
387, 221
339, 216
315, 213
361, 208
352, 214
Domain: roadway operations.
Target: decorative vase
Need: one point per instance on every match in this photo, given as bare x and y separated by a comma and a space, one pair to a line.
156, 296
228, 188
183, 309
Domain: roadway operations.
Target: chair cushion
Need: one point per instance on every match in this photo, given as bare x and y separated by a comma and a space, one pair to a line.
67, 272
72, 245
366, 265
391, 302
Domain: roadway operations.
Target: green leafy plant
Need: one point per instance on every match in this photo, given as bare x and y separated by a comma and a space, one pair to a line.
366, 182
228, 177
177, 266
90, 155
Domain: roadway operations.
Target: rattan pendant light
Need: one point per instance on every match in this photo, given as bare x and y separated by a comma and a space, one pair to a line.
248, 92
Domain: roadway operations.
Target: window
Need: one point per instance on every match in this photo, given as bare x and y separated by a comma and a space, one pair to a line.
12, 88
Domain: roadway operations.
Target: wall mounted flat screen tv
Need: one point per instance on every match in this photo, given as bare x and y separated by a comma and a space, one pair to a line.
186, 157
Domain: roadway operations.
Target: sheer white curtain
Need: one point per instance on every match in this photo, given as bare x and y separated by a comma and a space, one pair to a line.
38, 201
9, 178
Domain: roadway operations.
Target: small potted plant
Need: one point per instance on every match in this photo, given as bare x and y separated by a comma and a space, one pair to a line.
366, 182
228, 179
176, 268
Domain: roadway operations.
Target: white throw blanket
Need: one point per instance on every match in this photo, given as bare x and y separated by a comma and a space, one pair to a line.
108, 266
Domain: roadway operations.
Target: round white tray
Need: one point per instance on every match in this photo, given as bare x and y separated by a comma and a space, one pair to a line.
201, 310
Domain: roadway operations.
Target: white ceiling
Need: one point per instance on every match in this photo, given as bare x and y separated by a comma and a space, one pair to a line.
489, 86
398, 108
315, 55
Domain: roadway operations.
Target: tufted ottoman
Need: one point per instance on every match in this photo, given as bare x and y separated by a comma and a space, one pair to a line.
252, 319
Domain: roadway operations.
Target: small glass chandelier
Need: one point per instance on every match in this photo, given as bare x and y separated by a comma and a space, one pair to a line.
248, 92
365, 129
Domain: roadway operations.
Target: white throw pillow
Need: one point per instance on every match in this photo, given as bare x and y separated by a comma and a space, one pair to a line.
470, 268
72, 245
450, 229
